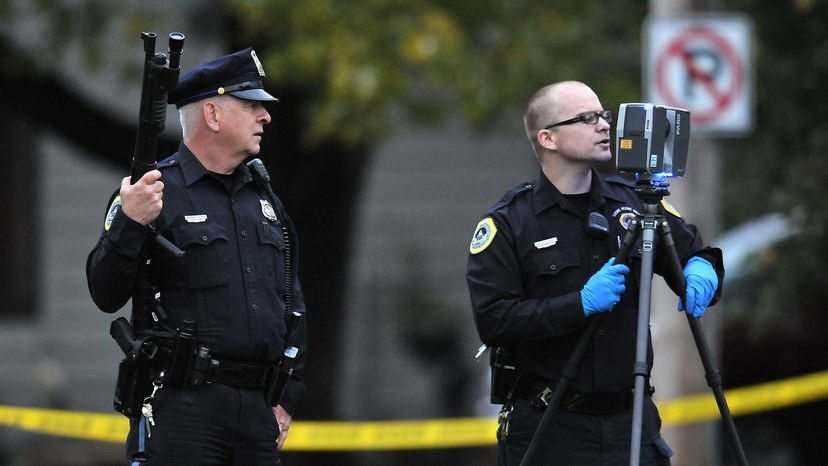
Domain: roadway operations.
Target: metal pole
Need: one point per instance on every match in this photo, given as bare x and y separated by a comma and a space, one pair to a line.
676, 370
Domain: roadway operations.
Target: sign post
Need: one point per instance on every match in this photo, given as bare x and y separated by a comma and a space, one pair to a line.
702, 63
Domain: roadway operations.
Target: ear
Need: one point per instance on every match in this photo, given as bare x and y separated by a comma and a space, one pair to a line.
547, 139
212, 114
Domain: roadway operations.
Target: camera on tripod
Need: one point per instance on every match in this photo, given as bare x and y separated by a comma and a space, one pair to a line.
652, 139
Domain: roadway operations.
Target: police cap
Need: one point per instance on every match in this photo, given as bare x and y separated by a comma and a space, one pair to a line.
238, 74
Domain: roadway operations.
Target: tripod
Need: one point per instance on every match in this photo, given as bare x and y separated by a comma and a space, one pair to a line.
651, 190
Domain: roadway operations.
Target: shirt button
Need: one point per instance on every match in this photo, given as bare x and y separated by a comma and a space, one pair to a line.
254, 307
553, 267
248, 270
204, 238
595, 256
244, 233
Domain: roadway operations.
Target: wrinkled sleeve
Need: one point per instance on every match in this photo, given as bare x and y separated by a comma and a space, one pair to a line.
688, 243
112, 265
503, 313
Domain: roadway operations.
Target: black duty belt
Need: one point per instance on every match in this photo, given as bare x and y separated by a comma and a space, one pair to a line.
239, 374
572, 401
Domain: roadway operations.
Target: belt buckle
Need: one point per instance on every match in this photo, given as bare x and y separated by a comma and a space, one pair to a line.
540, 401
546, 395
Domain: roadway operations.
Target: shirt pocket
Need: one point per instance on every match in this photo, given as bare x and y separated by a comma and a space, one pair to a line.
272, 243
553, 262
207, 254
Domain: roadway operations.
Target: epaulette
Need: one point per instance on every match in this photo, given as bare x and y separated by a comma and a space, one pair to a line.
170, 161
511, 195
615, 179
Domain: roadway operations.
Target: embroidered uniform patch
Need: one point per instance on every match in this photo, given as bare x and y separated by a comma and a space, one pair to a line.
625, 215
483, 236
110, 214
625, 219
669, 208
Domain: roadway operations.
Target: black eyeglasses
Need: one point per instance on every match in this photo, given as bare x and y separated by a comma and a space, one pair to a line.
590, 118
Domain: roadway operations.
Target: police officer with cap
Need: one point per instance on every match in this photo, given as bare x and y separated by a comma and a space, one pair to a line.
233, 281
538, 269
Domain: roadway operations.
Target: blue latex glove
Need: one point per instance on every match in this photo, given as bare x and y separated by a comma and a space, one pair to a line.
702, 283
603, 290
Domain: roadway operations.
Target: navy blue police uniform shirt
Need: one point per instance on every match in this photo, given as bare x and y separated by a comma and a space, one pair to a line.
232, 283
529, 259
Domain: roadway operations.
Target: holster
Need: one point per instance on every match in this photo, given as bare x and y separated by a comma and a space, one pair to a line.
136, 372
279, 377
144, 354
504, 374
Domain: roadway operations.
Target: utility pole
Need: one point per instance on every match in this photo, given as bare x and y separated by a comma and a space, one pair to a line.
678, 370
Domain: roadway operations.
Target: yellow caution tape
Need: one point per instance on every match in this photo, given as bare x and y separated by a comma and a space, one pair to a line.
392, 435
747, 400
425, 433
82, 425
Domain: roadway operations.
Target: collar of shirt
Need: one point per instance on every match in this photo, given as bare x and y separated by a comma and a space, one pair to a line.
547, 195
193, 170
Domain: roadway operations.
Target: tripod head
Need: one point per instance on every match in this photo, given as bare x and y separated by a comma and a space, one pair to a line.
651, 188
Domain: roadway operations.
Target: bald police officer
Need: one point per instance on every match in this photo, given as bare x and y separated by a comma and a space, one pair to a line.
233, 281
536, 274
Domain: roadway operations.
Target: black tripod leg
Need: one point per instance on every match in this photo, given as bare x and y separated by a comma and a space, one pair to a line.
640, 368
714, 380
570, 369
557, 395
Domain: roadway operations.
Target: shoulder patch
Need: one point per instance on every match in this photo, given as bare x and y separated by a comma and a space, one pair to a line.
669, 208
110, 213
483, 235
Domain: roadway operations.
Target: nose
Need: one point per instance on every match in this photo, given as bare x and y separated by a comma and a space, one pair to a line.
265, 116
602, 124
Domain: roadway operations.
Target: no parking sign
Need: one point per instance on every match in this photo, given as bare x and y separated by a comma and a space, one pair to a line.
702, 63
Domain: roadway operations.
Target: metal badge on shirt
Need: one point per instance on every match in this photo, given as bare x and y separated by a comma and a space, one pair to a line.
268, 210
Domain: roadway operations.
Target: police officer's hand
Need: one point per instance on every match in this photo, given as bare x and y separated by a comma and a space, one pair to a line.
702, 283
604, 289
283, 418
142, 201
